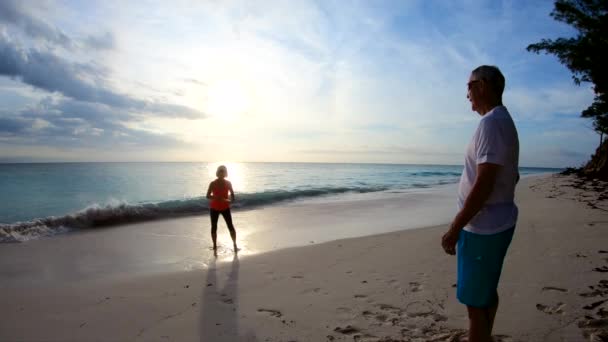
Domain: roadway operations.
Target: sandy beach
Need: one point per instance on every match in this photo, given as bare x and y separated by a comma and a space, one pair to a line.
397, 285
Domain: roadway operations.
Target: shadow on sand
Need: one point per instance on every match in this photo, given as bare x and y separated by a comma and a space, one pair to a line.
219, 317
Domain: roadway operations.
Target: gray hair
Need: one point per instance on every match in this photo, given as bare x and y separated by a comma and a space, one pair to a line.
220, 169
493, 76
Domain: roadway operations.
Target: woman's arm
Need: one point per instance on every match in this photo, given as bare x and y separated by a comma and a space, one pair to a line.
231, 192
209, 191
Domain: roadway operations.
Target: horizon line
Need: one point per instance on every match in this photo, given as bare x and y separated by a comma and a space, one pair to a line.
253, 162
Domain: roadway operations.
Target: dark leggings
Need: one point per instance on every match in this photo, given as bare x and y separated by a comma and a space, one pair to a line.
215, 214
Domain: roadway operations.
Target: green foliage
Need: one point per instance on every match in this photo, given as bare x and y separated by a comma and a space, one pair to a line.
586, 55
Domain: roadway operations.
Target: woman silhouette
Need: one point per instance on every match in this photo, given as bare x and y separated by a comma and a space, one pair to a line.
219, 203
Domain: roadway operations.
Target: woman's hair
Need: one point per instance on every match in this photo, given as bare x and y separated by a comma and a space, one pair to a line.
220, 169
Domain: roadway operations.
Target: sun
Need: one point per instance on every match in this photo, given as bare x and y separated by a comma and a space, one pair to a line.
227, 99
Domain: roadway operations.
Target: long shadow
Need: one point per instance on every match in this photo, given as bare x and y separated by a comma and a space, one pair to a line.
219, 306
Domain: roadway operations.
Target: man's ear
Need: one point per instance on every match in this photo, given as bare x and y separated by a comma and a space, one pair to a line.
483, 86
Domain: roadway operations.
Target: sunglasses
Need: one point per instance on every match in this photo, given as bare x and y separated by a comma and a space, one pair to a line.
470, 83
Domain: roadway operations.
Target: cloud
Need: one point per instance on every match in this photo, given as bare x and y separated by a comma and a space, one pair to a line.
552, 157
15, 13
547, 102
11, 126
105, 41
412, 151
70, 123
194, 80
79, 81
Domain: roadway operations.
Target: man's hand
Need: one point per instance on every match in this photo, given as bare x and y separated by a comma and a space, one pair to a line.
482, 188
448, 241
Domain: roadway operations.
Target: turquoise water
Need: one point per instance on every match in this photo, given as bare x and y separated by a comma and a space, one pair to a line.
42, 199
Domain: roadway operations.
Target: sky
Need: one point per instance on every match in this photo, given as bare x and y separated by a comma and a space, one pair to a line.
278, 81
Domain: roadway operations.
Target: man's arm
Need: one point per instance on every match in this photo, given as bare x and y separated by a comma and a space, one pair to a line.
481, 191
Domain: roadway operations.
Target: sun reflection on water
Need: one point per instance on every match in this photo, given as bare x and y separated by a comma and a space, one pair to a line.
237, 174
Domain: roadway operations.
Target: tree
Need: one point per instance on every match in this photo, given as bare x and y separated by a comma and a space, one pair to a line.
600, 123
586, 55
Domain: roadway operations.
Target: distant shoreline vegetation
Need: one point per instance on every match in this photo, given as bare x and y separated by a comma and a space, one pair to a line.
257, 162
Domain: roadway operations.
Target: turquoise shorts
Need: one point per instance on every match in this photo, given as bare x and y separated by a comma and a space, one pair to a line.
480, 260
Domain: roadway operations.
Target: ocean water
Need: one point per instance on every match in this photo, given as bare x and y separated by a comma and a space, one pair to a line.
50, 198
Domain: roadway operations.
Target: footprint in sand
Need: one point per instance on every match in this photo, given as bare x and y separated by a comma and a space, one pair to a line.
103, 300
271, 312
601, 290
396, 284
595, 329
594, 293
313, 290
439, 318
347, 330
368, 314
460, 335
502, 338
381, 317
389, 308
343, 310
595, 304
550, 310
415, 287
344, 313
601, 269
419, 309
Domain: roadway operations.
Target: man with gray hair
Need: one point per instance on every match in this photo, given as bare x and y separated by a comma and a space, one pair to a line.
484, 225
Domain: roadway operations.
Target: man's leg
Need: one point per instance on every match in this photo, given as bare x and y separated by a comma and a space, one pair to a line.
214, 214
479, 324
492, 314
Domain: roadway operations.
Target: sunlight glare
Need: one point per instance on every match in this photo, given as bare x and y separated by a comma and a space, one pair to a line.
227, 100
236, 174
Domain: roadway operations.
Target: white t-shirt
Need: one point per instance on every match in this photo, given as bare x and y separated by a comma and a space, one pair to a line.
495, 141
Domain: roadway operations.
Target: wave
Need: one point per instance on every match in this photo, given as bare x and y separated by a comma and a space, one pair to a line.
96, 216
436, 174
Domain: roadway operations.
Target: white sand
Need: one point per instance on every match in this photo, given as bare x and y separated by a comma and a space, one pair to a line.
390, 287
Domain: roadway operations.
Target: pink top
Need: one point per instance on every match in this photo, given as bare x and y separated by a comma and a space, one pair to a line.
220, 189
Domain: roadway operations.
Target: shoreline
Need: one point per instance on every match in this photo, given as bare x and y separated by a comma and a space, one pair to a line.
395, 285
184, 243
118, 214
